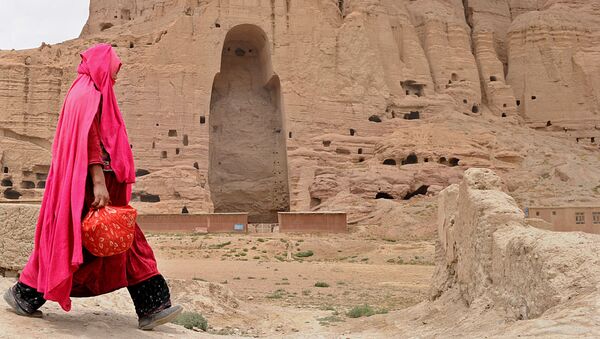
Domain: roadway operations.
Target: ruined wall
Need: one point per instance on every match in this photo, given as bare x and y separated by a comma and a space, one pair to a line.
497, 262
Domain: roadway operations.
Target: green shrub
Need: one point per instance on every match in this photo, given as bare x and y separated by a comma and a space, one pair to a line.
364, 311
321, 284
304, 254
190, 320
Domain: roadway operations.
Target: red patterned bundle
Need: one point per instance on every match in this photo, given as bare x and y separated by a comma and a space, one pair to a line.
109, 231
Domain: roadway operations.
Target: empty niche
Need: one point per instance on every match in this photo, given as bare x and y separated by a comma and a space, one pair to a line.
410, 159
443, 161
290, 135
246, 78
518, 102
140, 172
413, 115
131, 45
465, 101
41, 184
163, 154
202, 119
27, 184
314, 202
153, 144
548, 123
475, 109
340, 150
6, 183
12, 194
593, 140
533, 97
196, 166
360, 151
504, 115
184, 210
420, 191
411, 87
361, 159
453, 162
384, 195
426, 160
186, 140
5, 170
326, 143
374, 118
454, 77
390, 162
172, 133
105, 25
493, 78
125, 14
177, 151
352, 131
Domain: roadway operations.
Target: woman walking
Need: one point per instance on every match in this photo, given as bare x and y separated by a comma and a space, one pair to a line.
92, 166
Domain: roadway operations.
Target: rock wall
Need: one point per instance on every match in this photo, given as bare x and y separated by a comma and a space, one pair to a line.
495, 261
17, 229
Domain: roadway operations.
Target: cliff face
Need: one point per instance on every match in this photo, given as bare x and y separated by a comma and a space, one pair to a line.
276, 105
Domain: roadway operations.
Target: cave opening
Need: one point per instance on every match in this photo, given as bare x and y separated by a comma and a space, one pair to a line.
384, 195
410, 159
422, 190
374, 118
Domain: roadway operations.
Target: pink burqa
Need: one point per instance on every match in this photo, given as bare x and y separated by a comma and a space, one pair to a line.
58, 250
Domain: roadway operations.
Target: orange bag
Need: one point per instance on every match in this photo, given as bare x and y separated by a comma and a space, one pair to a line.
109, 231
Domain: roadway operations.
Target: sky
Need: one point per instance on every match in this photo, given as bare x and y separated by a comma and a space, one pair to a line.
26, 23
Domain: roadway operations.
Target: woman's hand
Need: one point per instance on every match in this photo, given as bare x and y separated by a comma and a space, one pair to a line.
101, 197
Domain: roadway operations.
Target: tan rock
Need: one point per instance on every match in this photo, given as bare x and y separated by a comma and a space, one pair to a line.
17, 230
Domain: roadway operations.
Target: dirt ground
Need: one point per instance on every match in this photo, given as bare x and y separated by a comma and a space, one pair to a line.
329, 274
383, 274
258, 285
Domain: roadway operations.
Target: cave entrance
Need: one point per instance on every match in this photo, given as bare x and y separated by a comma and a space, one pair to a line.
247, 145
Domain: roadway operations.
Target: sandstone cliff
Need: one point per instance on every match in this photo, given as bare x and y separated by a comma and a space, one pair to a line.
335, 103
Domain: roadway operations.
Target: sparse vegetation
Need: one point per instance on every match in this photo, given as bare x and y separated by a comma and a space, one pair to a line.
364, 311
304, 254
321, 284
328, 320
278, 294
191, 320
221, 245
